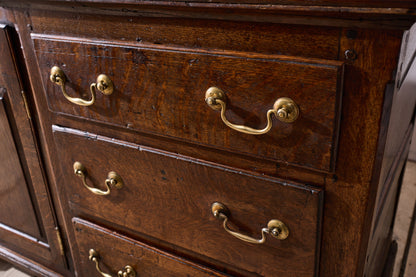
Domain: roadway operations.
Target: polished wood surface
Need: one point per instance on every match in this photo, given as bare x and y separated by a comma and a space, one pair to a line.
195, 33
162, 91
396, 139
116, 251
160, 185
356, 179
359, 177
368, 3
27, 217
13, 187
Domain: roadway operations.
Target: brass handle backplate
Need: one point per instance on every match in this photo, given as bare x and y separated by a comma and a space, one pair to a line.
127, 271
275, 228
285, 109
103, 84
113, 179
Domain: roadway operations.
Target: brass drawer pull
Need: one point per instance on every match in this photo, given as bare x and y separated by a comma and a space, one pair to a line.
275, 228
113, 179
104, 84
127, 271
285, 109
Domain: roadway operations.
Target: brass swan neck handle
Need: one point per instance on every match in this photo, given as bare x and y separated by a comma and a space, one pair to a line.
103, 84
275, 227
127, 271
285, 109
113, 179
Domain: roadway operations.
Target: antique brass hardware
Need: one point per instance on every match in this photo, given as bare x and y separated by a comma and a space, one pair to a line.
275, 228
127, 271
113, 179
103, 84
285, 109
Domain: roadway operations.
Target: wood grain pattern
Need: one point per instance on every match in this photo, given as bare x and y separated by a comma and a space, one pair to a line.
117, 251
168, 197
41, 245
350, 190
163, 92
282, 39
367, 3
376, 17
350, 194
258, 165
13, 186
307, 3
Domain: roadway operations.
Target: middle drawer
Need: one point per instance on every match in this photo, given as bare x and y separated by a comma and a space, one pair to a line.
170, 198
162, 91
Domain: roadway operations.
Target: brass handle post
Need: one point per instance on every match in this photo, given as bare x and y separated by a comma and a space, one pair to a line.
127, 271
285, 109
275, 228
113, 179
103, 84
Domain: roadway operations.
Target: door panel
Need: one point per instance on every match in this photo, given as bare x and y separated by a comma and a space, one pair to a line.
16, 206
27, 221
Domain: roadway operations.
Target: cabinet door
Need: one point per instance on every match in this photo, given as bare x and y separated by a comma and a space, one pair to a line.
27, 223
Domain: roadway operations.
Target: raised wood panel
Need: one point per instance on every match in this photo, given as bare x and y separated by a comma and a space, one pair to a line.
168, 197
14, 192
26, 202
162, 91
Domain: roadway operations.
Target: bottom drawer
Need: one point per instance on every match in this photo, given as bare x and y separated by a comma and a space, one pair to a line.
118, 255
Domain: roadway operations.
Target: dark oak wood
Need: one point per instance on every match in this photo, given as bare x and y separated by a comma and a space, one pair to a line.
396, 135
163, 92
116, 251
378, 17
181, 190
13, 188
291, 40
27, 217
365, 81
361, 185
367, 3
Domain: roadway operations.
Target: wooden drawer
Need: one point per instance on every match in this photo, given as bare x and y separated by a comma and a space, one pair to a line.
114, 252
168, 197
162, 91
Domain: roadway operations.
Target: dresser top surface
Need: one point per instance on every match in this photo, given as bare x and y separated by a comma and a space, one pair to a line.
306, 3
379, 14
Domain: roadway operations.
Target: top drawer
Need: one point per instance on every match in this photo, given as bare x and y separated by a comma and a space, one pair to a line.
162, 91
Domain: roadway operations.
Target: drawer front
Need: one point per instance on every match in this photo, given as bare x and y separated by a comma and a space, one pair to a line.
162, 91
115, 252
168, 197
